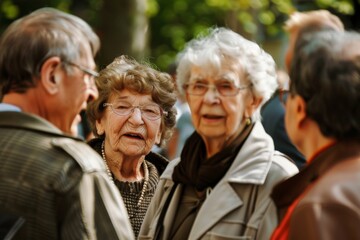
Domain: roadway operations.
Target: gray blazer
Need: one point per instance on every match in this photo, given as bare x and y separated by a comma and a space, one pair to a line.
57, 183
239, 207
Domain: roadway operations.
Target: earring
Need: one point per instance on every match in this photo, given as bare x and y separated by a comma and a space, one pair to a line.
248, 121
100, 132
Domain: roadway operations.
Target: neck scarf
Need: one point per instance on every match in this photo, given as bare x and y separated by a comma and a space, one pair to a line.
196, 170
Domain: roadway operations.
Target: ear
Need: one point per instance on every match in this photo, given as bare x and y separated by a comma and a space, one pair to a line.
158, 136
50, 75
300, 110
252, 106
99, 127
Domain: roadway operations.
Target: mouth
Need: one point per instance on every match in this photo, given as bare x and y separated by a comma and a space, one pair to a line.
137, 136
212, 117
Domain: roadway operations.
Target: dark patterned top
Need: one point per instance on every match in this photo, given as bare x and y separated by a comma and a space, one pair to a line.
130, 192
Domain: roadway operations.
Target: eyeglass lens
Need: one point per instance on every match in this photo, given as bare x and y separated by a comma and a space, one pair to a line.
223, 88
151, 111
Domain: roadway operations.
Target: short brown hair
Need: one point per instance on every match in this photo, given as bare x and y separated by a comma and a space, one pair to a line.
126, 73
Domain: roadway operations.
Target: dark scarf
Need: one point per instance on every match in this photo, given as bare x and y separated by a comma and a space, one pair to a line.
196, 170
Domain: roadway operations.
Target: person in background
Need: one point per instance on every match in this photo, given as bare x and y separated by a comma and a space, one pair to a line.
220, 186
135, 110
184, 127
273, 111
51, 183
323, 120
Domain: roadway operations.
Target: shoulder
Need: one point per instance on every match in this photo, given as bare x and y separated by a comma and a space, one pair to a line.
167, 174
159, 161
340, 184
84, 155
283, 163
281, 168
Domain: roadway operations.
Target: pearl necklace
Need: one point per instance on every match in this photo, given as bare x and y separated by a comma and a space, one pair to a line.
146, 173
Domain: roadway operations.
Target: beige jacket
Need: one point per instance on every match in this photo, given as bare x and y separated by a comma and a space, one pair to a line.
239, 207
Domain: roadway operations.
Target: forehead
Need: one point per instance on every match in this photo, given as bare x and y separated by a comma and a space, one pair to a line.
231, 72
131, 96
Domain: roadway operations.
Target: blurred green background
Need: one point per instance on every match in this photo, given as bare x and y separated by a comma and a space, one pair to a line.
156, 30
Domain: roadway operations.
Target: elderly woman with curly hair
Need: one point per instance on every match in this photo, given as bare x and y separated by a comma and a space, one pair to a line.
220, 186
134, 111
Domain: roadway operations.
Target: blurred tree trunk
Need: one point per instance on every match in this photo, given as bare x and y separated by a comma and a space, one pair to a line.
123, 29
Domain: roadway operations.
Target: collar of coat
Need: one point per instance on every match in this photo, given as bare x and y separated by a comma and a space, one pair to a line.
22, 120
287, 191
252, 163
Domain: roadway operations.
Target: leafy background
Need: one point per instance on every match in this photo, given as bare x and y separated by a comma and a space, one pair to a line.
156, 30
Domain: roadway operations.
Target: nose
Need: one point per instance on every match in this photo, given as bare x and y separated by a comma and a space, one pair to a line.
212, 95
93, 91
135, 116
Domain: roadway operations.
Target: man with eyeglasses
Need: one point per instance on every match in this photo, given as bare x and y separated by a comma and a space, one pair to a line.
52, 185
323, 120
273, 111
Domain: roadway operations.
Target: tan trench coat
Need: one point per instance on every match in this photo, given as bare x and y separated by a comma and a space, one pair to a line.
239, 207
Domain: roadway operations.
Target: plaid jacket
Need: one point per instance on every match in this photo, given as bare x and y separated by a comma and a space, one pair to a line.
56, 183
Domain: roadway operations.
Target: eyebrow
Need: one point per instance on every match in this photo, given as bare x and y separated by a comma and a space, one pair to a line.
228, 77
128, 100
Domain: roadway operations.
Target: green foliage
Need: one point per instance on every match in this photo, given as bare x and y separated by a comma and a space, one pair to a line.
178, 21
10, 10
175, 22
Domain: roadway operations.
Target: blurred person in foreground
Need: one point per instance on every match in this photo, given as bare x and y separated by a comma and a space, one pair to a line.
220, 186
135, 110
52, 181
273, 111
323, 121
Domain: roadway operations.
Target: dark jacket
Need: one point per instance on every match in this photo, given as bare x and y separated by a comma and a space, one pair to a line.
330, 207
56, 183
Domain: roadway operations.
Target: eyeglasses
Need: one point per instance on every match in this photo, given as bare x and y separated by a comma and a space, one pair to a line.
283, 95
223, 88
151, 111
86, 70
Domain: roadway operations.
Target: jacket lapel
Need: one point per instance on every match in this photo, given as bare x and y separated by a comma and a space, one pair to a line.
171, 210
215, 208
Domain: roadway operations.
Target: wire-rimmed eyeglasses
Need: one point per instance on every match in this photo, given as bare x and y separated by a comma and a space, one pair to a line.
151, 111
85, 70
223, 88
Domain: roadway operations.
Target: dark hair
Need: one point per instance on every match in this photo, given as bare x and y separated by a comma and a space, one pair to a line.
28, 42
326, 74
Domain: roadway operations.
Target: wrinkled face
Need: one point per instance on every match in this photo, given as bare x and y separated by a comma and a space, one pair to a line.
217, 117
133, 134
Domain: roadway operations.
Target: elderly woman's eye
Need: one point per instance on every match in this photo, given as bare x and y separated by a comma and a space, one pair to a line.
225, 86
122, 106
199, 86
152, 109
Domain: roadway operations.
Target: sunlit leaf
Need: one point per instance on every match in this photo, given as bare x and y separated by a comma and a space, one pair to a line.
10, 10
266, 17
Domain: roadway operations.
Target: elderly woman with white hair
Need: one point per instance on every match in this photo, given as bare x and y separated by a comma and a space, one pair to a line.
219, 187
